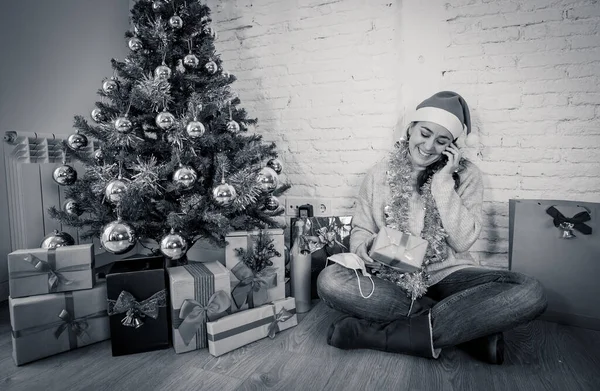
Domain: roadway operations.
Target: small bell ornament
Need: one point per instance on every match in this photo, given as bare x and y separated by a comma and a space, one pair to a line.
134, 44
191, 61
77, 141
57, 239
176, 22
97, 115
567, 230
185, 176
64, 175
162, 72
110, 86
165, 120
123, 125
195, 129
268, 179
115, 190
276, 165
173, 246
224, 194
118, 237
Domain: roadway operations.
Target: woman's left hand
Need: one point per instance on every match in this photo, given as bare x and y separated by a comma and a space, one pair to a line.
454, 155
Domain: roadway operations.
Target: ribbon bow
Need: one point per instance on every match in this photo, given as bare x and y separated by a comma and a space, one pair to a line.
576, 222
326, 236
54, 278
252, 288
78, 326
195, 314
135, 310
280, 317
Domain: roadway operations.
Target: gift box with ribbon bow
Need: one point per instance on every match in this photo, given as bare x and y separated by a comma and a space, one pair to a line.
234, 331
40, 271
137, 305
251, 289
45, 325
398, 250
200, 292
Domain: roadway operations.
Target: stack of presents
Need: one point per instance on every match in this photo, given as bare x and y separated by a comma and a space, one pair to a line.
59, 302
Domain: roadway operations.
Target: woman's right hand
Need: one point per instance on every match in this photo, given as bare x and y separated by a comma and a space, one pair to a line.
363, 250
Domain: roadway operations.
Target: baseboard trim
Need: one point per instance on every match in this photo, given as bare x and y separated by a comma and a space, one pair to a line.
585, 322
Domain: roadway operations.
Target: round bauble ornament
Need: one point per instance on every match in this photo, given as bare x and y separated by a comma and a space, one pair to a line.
173, 246
210, 31
176, 22
195, 129
185, 176
268, 179
72, 207
157, 5
226, 74
98, 155
233, 126
110, 86
211, 67
162, 72
57, 239
115, 190
224, 194
77, 141
191, 61
134, 44
165, 120
97, 115
64, 175
272, 204
123, 125
117, 237
276, 165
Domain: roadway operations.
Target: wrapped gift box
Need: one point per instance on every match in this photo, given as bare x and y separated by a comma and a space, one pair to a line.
45, 325
40, 271
137, 305
323, 237
199, 292
239, 329
274, 275
398, 250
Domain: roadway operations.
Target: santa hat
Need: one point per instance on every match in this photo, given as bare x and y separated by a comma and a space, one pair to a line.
447, 109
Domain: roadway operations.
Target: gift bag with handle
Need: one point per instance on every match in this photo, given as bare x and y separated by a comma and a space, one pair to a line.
558, 243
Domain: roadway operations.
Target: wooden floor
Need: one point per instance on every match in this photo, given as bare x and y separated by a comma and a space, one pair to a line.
540, 356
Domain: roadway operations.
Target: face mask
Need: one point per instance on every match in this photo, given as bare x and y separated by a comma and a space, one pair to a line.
354, 262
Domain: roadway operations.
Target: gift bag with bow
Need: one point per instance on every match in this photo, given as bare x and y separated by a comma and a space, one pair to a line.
556, 242
137, 304
200, 292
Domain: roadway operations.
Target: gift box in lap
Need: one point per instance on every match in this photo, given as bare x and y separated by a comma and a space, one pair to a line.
45, 325
199, 292
324, 237
398, 250
270, 281
40, 271
138, 305
244, 327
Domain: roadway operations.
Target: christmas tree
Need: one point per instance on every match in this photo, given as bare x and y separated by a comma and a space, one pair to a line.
176, 161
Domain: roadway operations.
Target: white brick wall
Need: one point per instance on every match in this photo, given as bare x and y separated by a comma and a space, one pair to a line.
331, 81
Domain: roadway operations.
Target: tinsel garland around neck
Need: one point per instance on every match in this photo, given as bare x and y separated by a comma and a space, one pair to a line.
397, 213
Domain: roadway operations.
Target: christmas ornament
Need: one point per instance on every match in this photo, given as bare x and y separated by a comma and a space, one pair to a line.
224, 194
118, 237
210, 31
135, 44
176, 22
97, 115
226, 74
276, 165
272, 204
162, 72
268, 179
64, 175
173, 246
72, 207
195, 129
233, 126
123, 125
98, 155
191, 61
185, 176
211, 67
110, 86
57, 239
115, 190
165, 120
157, 5
77, 141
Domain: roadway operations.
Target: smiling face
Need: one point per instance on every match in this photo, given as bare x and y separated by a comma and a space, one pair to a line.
427, 142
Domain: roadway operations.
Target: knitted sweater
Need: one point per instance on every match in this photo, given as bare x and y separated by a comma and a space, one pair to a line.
460, 211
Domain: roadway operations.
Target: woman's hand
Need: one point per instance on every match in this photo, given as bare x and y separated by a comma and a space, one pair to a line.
363, 250
454, 155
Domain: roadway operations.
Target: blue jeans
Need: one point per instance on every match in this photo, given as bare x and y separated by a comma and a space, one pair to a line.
468, 304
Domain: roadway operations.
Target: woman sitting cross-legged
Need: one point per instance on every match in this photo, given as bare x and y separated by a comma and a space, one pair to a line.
425, 188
